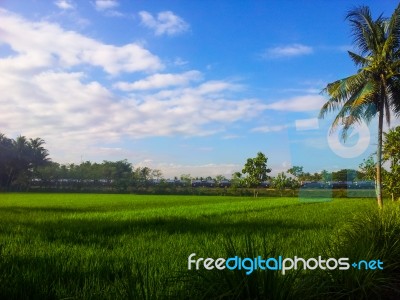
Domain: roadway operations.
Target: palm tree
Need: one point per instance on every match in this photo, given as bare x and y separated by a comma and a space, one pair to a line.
39, 155
375, 88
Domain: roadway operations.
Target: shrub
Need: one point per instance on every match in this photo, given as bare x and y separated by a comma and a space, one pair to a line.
369, 236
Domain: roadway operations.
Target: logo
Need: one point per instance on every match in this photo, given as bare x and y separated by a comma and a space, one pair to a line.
349, 151
280, 264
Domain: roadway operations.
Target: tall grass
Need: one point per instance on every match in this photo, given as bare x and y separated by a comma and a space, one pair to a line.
237, 284
368, 236
79, 246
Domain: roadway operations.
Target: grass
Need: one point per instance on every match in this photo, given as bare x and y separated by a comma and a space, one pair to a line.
86, 246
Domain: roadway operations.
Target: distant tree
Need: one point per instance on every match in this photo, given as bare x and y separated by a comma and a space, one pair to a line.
256, 170
236, 180
50, 173
119, 173
19, 160
293, 184
219, 178
280, 182
6, 157
186, 179
142, 174
317, 176
326, 176
296, 171
156, 174
39, 155
344, 175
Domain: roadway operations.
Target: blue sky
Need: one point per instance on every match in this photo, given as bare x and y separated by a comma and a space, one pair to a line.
183, 86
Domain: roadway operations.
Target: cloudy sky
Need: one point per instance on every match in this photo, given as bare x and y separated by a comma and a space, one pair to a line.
183, 86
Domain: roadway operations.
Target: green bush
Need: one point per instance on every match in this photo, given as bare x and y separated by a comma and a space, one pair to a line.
369, 236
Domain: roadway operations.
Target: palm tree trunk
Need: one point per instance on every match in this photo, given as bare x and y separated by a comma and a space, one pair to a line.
379, 158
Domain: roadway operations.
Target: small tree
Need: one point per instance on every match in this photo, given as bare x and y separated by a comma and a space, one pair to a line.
367, 167
326, 176
219, 178
391, 153
186, 179
296, 171
256, 170
280, 182
236, 181
156, 174
293, 184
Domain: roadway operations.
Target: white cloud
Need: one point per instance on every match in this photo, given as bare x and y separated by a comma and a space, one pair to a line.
158, 81
42, 96
298, 104
64, 4
180, 62
287, 51
105, 4
307, 124
61, 102
73, 113
266, 129
231, 137
166, 22
43, 45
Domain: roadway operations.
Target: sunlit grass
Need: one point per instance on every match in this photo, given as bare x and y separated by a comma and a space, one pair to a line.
121, 246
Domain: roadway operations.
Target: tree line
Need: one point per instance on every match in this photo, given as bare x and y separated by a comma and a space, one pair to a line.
25, 165
20, 159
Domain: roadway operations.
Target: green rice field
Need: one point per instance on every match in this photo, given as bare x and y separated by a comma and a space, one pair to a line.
102, 246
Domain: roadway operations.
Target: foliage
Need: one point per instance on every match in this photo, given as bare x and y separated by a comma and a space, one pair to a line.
236, 180
293, 184
367, 168
296, 171
370, 235
375, 89
20, 159
186, 178
280, 182
345, 175
219, 178
391, 146
256, 170
326, 176
391, 153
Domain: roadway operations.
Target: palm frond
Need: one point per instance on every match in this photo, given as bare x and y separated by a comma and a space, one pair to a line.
393, 28
358, 59
340, 91
365, 31
365, 95
392, 34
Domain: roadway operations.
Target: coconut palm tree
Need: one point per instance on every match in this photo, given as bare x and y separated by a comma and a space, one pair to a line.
39, 155
375, 88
